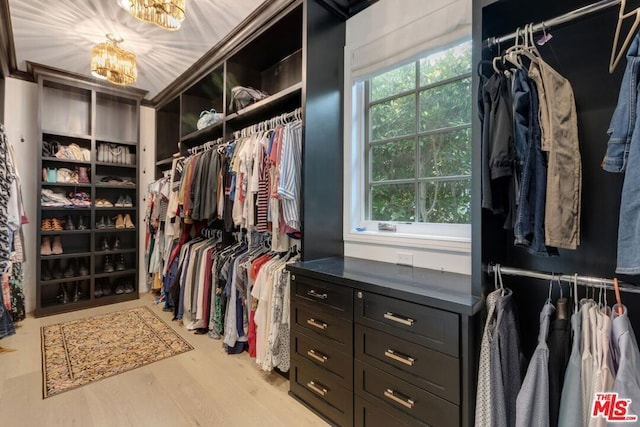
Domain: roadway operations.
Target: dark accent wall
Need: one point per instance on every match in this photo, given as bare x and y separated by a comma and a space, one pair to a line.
579, 51
323, 71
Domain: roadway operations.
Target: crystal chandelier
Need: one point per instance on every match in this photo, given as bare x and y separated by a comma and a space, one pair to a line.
112, 63
167, 14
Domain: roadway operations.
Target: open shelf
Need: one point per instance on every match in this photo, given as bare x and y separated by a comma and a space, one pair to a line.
64, 232
65, 255
64, 280
166, 161
114, 208
64, 184
115, 252
72, 161
128, 272
199, 134
116, 141
115, 165
65, 208
118, 186
69, 135
267, 103
114, 230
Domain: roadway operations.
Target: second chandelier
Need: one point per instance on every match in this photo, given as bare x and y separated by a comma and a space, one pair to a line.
167, 14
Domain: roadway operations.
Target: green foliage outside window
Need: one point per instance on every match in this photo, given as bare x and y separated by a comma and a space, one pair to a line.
419, 140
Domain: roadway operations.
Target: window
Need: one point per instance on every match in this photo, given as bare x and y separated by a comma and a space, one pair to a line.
417, 141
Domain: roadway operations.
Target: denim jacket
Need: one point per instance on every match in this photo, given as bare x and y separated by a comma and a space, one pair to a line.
624, 117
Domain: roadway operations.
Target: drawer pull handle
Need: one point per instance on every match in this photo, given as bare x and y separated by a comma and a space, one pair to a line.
399, 357
399, 319
316, 324
322, 391
314, 294
404, 401
317, 356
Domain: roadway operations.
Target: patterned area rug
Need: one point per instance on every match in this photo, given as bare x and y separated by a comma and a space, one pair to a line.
82, 351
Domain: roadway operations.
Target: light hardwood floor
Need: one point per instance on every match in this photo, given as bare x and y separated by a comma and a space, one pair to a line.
204, 387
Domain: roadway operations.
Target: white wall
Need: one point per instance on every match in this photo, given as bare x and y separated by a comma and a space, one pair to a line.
21, 123
147, 164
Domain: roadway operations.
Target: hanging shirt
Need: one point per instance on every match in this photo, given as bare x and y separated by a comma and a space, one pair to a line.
627, 382
532, 406
570, 414
559, 343
483, 394
506, 373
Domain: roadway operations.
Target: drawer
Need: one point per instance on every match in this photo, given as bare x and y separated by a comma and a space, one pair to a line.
337, 297
433, 371
378, 386
318, 389
321, 322
325, 354
367, 414
417, 323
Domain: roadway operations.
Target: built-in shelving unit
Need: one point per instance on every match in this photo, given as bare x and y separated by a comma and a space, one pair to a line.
85, 113
258, 62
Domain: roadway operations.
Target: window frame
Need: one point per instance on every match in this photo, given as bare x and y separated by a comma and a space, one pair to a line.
416, 135
436, 236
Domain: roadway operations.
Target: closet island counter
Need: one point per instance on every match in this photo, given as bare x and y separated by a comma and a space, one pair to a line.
374, 341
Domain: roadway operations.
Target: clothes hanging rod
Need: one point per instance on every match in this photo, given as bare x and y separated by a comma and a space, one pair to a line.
595, 282
567, 17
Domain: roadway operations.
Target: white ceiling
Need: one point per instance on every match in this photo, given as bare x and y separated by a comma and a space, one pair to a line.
61, 33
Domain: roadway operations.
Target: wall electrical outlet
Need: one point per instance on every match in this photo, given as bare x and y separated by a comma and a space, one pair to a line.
405, 258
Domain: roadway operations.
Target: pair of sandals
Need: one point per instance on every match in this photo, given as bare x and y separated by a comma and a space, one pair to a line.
103, 203
124, 202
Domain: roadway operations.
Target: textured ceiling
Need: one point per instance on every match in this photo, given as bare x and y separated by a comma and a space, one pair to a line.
61, 33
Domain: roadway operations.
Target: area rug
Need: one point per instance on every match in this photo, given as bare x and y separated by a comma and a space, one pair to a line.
82, 351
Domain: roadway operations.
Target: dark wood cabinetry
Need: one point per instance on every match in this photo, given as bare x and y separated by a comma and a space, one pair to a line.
401, 348
80, 113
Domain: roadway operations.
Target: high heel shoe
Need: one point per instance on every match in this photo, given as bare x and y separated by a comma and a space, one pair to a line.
127, 222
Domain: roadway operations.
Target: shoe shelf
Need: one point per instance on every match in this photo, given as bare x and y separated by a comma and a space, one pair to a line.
64, 184
115, 252
118, 186
64, 280
63, 232
110, 140
57, 160
114, 208
50, 307
115, 165
66, 255
63, 208
75, 110
71, 135
128, 272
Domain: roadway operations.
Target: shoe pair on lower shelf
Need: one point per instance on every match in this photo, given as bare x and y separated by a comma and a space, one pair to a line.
121, 222
109, 266
124, 286
124, 201
69, 292
49, 247
105, 246
102, 288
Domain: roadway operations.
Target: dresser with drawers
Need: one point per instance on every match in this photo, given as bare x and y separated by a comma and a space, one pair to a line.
375, 344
